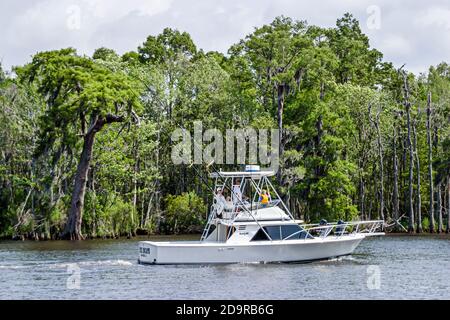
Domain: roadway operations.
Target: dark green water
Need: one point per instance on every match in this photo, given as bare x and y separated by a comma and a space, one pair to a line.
391, 267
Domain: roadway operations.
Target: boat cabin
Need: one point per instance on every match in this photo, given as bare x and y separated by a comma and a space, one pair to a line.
242, 232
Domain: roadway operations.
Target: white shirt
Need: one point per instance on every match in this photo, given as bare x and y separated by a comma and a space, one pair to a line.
237, 194
221, 202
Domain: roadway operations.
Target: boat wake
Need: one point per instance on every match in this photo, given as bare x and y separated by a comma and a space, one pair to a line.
65, 265
13, 267
348, 259
95, 263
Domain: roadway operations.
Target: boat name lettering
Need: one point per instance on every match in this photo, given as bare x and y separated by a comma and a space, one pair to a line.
144, 250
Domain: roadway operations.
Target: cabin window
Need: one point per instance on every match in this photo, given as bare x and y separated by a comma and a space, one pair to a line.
274, 232
281, 232
293, 228
233, 230
260, 236
211, 230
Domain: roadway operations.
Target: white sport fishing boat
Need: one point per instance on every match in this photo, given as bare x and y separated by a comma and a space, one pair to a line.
243, 229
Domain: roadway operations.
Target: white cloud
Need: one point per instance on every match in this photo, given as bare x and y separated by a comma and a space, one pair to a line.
51, 15
411, 32
435, 16
116, 9
395, 45
49, 24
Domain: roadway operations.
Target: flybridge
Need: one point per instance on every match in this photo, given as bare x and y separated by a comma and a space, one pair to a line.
238, 197
251, 171
243, 174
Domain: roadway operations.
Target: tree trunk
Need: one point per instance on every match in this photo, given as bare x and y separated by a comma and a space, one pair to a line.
395, 195
447, 230
147, 214
430, 163
376, 123
439, 208
419, 197
157, 182
281, 89
72, 230
411, 155
73, 226
94, 198
361, 197
135, 186
380, 154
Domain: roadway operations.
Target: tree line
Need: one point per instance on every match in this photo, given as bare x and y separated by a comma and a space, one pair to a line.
86, 141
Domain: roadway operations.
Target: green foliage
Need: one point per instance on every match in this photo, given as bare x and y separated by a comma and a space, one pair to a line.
205, 89
105, 54
77, 91
183, 212
426, 224
115, 219
167, 46
2, 75
340, 101
332, 194
357, 62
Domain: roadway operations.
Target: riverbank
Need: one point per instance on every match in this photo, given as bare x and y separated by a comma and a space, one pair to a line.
193, 236
423, 234
37, 238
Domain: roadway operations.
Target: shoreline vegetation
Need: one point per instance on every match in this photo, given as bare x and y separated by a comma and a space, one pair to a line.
196, 236
138, 234
85, 141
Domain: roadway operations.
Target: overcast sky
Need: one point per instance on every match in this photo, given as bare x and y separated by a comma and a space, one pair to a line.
413, 32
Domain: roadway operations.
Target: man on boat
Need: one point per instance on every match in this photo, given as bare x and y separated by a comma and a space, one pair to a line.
221, 203
229, 203
237, 193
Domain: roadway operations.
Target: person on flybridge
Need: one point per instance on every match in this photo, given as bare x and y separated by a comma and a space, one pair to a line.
237, 193
264, 198
221, 202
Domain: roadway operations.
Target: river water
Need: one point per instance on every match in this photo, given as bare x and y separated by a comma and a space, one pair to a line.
390, 267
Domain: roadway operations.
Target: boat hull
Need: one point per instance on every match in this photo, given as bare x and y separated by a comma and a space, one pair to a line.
261, 251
